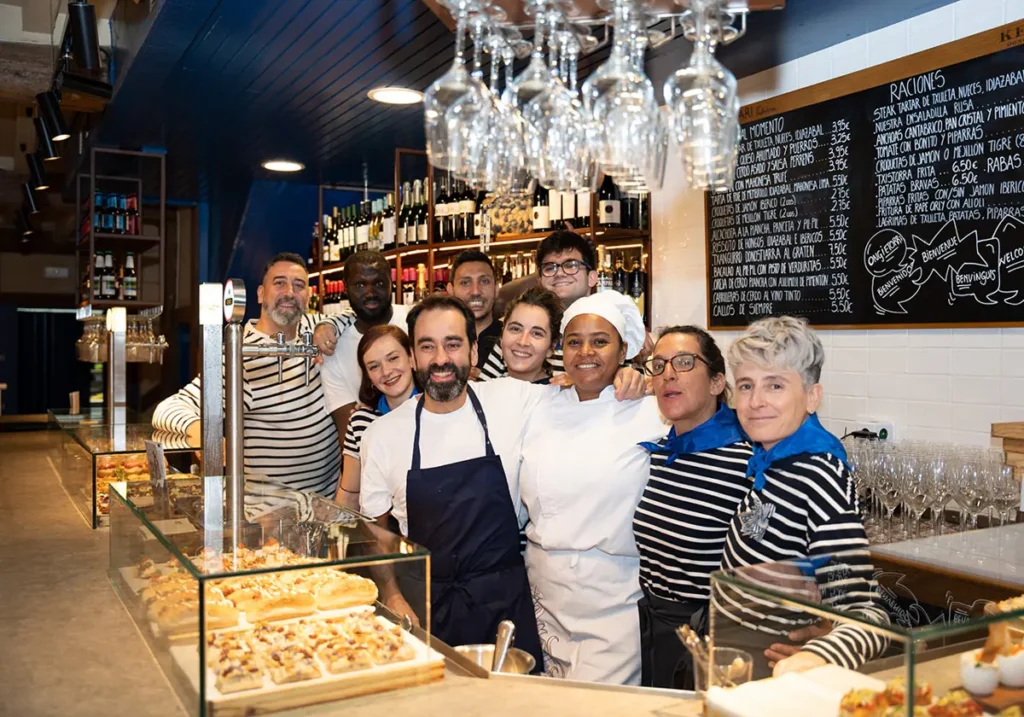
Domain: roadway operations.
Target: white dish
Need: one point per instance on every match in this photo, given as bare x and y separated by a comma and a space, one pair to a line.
979, 678
1011, 669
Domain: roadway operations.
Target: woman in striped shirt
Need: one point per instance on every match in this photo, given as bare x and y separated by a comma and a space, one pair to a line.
798, 530
385, 360
697, 479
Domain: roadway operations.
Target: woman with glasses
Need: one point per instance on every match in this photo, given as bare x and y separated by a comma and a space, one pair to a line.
384, 355
798, 528
581, 476
530, 334
698, 476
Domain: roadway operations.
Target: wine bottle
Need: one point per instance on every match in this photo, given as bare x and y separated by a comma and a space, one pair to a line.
389, 227
467, 209
637, 286
583, 198
604, 274
421, 214
409, 286
456, 226
620, 279
569, 208
130, 285
402, 234
541, 210
609, 204
421, 282
441, 212
555, 209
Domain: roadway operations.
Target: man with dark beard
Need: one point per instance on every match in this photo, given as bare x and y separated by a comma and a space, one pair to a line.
367, 276
447, 468
288, 436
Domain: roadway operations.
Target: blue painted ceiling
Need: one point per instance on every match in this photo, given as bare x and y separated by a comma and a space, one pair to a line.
226, 84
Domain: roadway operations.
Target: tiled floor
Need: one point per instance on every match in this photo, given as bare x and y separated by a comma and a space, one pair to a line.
67, 647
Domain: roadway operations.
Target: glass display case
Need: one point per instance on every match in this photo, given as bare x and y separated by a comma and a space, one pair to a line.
289, 617
92, 454
867, 641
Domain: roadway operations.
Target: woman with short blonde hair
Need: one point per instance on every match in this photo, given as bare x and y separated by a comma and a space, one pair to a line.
801, 508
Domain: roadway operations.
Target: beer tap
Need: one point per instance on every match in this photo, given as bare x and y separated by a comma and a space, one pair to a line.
282, 350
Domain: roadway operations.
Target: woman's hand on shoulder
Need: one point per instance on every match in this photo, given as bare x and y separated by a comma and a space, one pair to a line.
630, 384
562, 380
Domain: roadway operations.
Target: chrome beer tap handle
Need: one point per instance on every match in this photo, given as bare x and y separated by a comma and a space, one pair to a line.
309, 352
280, 357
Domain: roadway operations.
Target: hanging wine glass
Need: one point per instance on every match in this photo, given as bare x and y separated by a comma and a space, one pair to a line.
445, 91
705, 105
536, 77
464, 118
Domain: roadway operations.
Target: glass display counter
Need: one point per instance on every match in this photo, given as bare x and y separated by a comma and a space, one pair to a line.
92, 455
290, 617
891, 642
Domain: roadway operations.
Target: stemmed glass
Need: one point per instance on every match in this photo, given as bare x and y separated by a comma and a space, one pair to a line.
536, 77
446, 90
705, 105
917, 480
466, 118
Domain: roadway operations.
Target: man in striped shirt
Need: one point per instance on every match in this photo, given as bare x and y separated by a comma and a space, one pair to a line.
289, 438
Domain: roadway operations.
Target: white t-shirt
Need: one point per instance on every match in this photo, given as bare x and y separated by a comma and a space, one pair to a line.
445, 438
340, 372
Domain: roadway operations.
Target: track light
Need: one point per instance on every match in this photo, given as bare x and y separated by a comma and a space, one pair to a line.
30, 198
44, 147
37, 177
85, 43
24, 223
53, 120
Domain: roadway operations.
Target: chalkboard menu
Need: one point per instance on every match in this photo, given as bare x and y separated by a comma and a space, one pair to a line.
895, 199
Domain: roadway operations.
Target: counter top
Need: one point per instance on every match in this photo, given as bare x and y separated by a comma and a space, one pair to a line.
994, 555
508, 697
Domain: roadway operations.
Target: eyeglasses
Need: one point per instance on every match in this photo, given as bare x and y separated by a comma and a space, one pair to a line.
680, 362
570, 267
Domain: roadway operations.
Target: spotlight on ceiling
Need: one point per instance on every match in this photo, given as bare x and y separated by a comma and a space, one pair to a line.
37, 177
30, 198
283, 165
85, 43
45, 147
49, 110
395, 95
24, 223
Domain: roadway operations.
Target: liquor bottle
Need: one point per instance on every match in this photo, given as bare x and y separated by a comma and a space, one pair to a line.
541, 210
421, 219
467, 207
108, 214
402, 235
638, 286
583, 208
130, 283
109, 277
620, 280
421, 282
555, 209
569, 208
441, 213
97, 212
609, 206
121, 218
409, 285
134, 226
389, 224
97, 277
604, 274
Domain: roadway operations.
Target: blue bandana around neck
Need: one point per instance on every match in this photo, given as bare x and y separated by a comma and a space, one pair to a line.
811, 437
722, 429
382, 403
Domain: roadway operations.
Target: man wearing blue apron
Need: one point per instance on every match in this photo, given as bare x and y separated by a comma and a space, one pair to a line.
446, 467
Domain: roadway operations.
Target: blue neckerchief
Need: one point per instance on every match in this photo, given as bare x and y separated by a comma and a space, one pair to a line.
722, 429
382, 403
811, 437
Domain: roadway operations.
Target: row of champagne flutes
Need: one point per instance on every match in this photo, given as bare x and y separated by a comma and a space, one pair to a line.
544, 125
921, 480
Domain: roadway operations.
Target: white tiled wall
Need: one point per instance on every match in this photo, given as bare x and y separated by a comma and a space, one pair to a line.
936, 384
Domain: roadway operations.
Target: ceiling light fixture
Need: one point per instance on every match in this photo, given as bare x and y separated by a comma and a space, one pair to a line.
395, 95
53, 120
283, 165
24, 223
37, 177
85, 44
44, 146
31, 205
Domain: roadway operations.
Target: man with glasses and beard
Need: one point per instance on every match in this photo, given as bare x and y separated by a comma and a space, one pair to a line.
288, 436
367, 276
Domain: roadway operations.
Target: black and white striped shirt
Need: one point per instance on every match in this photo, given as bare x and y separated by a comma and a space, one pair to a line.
357, 424
683, 517
289, 438
811, 512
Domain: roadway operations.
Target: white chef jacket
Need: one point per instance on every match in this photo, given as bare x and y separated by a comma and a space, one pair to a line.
340, 371
582, 477
445, 438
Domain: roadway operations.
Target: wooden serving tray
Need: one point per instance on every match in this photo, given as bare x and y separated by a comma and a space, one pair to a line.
999, 700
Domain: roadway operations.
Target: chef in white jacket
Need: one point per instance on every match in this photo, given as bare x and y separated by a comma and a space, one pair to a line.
581, 478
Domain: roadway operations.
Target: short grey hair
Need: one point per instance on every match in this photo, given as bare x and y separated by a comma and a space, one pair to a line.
784, 342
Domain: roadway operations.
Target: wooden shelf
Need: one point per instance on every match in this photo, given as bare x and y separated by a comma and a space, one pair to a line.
609, 237
128, 239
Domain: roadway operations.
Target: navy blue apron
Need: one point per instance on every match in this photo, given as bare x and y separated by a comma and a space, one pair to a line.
463, 514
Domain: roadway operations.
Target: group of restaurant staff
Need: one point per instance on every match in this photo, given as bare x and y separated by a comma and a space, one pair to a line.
628, 501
